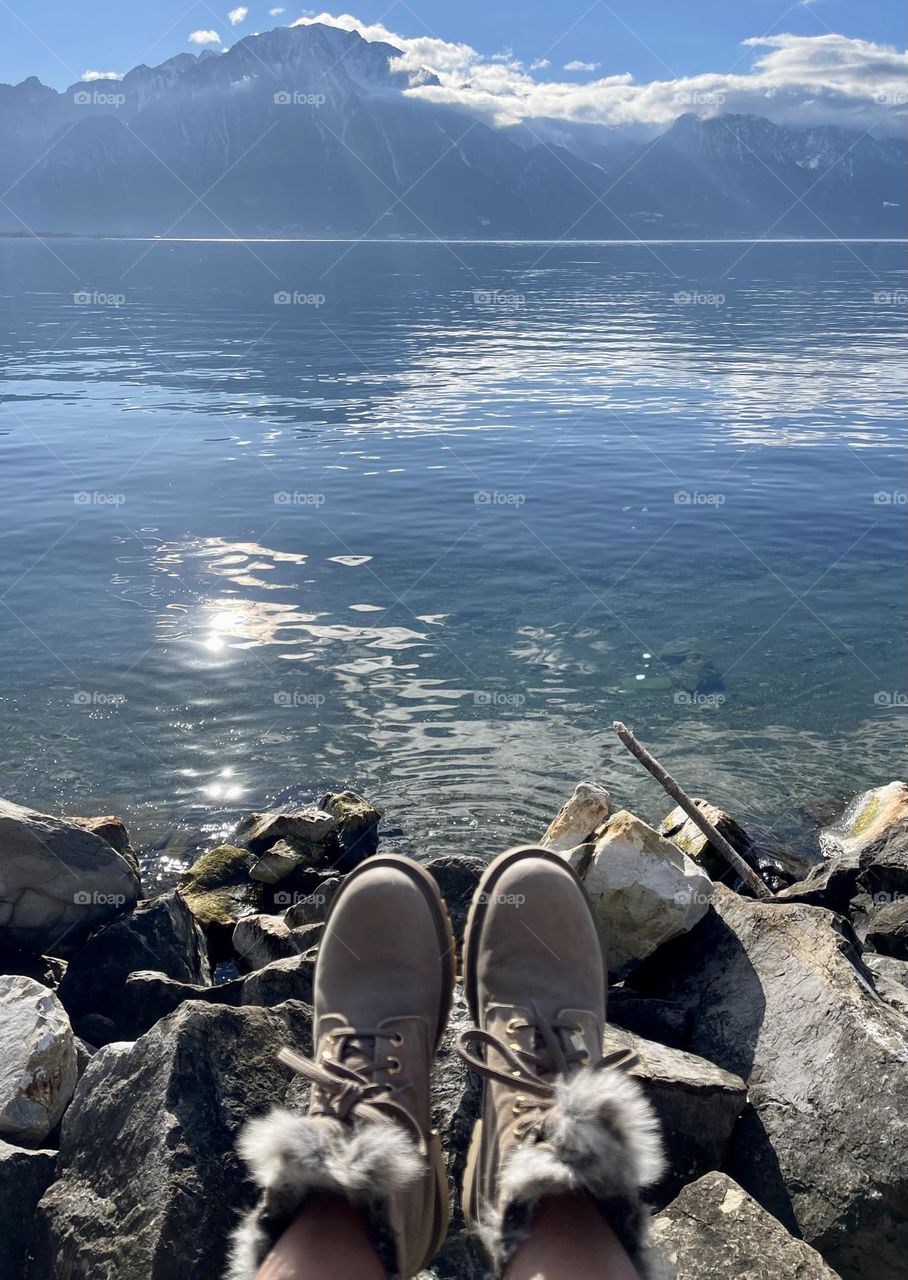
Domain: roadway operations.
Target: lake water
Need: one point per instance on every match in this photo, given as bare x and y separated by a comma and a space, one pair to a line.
427, 528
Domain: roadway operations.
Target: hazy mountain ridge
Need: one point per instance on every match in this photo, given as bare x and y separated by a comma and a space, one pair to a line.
309, 130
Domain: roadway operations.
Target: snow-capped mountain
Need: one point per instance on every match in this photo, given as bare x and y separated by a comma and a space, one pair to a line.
310, 130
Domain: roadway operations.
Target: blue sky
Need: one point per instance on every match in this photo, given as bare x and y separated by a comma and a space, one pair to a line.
58, 40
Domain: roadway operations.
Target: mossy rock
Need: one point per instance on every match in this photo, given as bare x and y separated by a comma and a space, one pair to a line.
357, 825
218, 891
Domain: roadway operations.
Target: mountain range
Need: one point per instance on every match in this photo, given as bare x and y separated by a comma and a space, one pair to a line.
310, 131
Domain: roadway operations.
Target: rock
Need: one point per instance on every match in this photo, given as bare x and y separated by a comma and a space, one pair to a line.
887, 932
38, 1065
57, 881
113, 830
153, 996
776, 994
24, 1177
697, 1104
160, 934
579, 818
258, 940
280, 861
311, 907
685, 833
867, 854
662, 1020
218, 892
48, 970
775, 866
887, 967
644, 889
357, 826
457, 1099
307, 830
457, 878
877, 816
148, 1180
714, 1230
690, 670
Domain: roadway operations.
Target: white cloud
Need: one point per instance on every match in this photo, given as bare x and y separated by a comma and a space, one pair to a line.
796, 80
276, 13
204, 37
576, 65
237, 15
539, 65
102, 75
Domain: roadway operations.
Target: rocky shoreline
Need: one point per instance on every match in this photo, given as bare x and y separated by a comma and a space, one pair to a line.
136, 1035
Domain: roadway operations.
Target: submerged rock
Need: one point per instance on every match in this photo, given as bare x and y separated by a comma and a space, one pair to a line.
644, 890
57, 880
578, 819
776, 994
690, 670
38, 1060
149, 1183
714, 1231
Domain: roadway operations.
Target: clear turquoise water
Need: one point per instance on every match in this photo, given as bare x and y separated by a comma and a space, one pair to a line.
420, 541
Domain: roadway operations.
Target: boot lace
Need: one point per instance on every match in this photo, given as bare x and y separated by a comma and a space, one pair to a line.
559, 1051
343, 1091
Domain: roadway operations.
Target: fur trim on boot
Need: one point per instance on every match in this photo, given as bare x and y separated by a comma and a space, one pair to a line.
601, 1136
290, 1156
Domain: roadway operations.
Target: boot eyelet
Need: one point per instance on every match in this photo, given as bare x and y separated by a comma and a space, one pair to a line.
514, 1044
513, 1026
394, 1067
397, 1040
585, 1060
326, 1056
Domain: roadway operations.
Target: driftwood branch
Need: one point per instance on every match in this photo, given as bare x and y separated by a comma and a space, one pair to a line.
715, 838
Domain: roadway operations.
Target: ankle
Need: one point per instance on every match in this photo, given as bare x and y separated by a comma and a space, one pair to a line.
570, 1237
328, 1237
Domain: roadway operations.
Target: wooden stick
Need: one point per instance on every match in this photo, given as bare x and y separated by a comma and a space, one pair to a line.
715, 838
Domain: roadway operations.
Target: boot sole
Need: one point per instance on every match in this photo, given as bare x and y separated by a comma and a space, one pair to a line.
470, 1199
439, 910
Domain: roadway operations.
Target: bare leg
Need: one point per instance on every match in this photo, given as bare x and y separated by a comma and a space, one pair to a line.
327, 1241
571, 1241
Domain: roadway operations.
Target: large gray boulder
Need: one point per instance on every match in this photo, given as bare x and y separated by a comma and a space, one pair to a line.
715, 1231
38, 1060
161, 934
57, 880
149, 1184
24, 1177
697, 1104
777, 994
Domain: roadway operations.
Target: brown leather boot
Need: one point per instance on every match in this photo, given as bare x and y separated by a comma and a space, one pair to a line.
557, 1117
383, 985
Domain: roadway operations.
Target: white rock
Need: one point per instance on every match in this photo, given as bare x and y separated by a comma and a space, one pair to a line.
56, 879
644, 889
872, 817
586, 810
38, 1059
